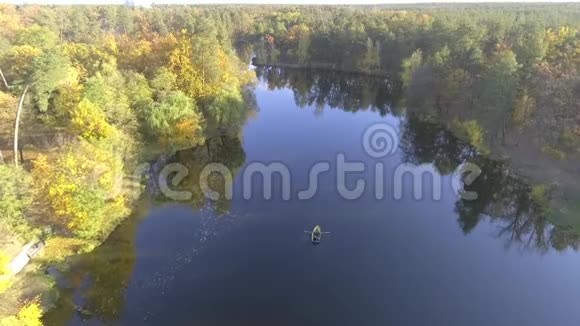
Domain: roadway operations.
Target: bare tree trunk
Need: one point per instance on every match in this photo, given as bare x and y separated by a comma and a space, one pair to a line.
3, 79
1, 157
17, 123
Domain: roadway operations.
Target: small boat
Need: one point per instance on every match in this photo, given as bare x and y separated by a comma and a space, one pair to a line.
316, 234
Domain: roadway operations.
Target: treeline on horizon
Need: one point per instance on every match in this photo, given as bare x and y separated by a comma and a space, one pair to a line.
504, 67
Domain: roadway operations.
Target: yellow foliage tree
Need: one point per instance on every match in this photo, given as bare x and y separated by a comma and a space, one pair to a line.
67, 98
190, 79
89, 59
19, 59
90, 121
9, 20
471, 132
201, 65
188, 133
558, 38
134, 54
83, 188
562, 47
108, 43
5, 274
7, 105
31, 314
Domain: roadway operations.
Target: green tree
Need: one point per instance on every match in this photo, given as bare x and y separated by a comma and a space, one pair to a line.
108, 92
164, 82
46, 72
410, 65
138, 92
529, 45
497, 91
228, 110
372, 58
524, 108
16, 196
176, 121
36, 36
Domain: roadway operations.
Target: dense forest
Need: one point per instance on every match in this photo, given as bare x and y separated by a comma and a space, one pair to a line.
87, 92
498, 71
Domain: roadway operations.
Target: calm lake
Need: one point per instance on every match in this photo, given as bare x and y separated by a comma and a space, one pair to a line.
427, 261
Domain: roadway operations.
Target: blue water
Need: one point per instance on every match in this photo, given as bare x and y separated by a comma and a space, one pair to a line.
386, 262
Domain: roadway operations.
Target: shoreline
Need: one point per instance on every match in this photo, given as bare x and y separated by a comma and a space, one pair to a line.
322, 66
42, 280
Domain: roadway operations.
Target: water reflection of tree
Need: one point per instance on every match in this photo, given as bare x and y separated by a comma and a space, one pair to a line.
229, 117
502, 196
347, 91
225, 150
441, 148
101, 277
222, 145
109, 269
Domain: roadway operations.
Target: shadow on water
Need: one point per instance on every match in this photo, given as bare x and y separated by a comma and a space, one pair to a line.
95, 284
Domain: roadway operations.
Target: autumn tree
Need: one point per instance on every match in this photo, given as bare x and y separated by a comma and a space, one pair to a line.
175, 120
82, 187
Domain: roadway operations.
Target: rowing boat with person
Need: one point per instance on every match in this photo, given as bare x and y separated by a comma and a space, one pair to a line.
316, 234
